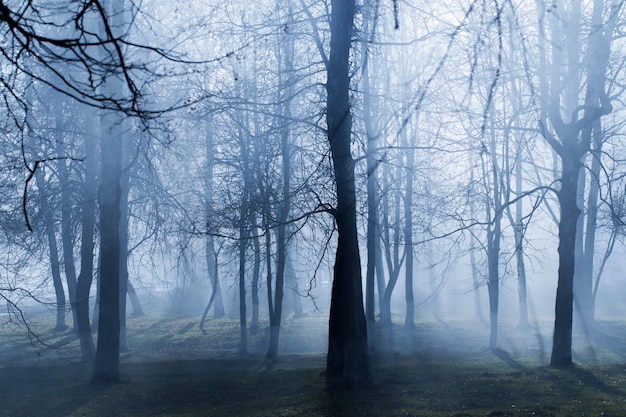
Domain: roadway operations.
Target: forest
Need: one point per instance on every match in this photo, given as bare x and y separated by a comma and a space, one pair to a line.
312, 207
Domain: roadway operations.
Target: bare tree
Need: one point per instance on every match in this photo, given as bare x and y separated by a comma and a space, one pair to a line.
566, 126
347, 334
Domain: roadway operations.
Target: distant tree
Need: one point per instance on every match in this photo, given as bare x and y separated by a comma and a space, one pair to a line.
285, 52
210, 249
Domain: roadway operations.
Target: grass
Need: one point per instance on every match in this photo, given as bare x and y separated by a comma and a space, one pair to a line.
442, 369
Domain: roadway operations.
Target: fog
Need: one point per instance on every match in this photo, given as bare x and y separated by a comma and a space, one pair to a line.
189, 180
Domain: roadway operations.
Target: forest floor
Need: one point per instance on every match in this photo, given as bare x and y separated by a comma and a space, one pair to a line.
173, 368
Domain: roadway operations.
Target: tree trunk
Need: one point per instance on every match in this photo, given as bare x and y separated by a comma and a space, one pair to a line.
281, 262
66, 216
372, 203
256, 274
210, 252
562, 339
107, 364
85, 278
518, 228
347, 357
124, 218
494, 215
244, 235
409, 319
55, 266
108, 347
291, 278
134, 300
393, 251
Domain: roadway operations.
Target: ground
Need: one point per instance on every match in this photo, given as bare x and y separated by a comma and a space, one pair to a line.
441, 369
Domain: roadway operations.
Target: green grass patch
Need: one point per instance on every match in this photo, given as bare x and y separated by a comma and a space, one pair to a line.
176, 369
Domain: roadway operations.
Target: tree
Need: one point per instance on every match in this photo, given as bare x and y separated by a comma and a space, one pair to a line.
347, 357
285, 53
88, 223
566, 127
107, 359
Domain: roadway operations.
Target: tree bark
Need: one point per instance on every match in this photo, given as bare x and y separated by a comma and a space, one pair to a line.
347, 357
108, 346
210, 252
134, 300
85, 277
66, 215
124, 219
562, 339
55, 266
107, 364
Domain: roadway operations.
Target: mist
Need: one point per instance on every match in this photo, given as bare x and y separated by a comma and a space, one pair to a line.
351, 192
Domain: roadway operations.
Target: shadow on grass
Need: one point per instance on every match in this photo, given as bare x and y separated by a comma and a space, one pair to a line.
506, 358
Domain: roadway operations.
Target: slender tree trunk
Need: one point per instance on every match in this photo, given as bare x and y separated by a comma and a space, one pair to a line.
256, 274
66, 216
592, 224
493, 284
291, 278
210, 252
372, 199
243, 235
409, 319
393, 251
124, 219
493, 241
134, 300
518, 229
55, 266
347, 357
85, 278
276, 312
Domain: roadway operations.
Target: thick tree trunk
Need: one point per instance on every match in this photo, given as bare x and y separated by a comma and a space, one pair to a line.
347, 357
562, 339
108, 347
107, 364
575, 142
